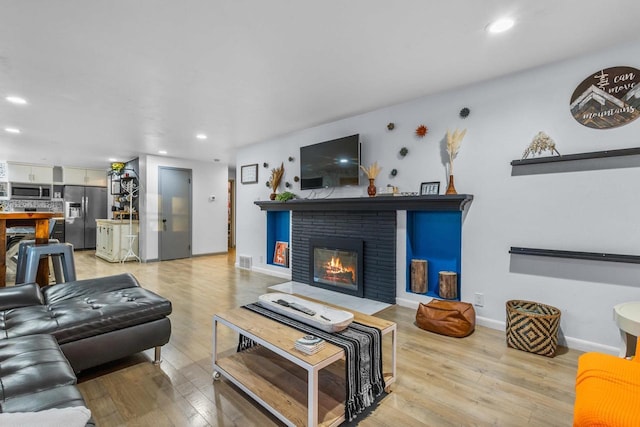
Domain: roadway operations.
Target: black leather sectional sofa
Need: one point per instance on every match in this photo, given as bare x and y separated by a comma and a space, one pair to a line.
90, 322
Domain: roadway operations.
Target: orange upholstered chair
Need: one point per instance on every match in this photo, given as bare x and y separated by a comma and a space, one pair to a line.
607, 391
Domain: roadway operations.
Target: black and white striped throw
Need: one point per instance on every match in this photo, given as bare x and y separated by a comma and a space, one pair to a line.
363, 353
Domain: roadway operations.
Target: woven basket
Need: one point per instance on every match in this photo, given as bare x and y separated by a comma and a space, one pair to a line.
532, 327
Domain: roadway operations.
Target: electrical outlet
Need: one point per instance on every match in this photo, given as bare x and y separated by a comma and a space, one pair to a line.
478, 299
261, 259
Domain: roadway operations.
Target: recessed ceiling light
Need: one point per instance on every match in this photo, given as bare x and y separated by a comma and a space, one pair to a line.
112, 159
162, 152
16, 100
12, 130
501, 25
201, 136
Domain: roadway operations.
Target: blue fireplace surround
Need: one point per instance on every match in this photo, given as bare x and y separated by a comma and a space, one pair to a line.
434, 233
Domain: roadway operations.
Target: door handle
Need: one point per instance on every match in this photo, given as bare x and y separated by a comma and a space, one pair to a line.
164, 220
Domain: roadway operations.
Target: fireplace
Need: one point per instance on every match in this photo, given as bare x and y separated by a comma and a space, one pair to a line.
337, 265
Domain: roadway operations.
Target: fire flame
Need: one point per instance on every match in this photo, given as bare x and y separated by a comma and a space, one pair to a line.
334, 266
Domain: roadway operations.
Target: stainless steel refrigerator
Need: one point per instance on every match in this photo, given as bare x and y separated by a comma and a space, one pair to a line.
82, 206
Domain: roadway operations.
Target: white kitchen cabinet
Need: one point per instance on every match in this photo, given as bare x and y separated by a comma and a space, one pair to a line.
22, 172
96, 177
79, 176
112, 241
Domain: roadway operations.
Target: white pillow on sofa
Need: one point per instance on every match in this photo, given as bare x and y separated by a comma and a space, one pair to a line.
75, 416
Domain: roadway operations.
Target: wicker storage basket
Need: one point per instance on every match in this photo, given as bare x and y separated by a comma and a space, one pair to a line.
532, 327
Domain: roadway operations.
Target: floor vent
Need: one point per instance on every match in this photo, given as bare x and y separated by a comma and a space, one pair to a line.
244, 262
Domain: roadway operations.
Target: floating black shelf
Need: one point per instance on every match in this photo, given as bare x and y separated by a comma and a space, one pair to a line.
581, 156
383, 203
592, 256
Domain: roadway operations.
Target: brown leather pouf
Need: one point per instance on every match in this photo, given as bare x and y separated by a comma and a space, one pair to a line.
451, 318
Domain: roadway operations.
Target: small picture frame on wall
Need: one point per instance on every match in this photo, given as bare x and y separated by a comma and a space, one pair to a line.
249, 174
116, 187
430, 188
281, 254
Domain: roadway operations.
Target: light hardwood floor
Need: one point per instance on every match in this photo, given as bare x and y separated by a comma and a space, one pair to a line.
442, 381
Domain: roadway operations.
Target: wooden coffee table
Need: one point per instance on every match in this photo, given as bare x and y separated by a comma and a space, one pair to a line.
297, 388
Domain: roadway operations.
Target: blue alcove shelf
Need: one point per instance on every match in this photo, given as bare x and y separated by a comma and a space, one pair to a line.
437, 238
278, 224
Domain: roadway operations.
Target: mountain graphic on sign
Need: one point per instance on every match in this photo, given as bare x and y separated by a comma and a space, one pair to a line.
598, 109
633, 97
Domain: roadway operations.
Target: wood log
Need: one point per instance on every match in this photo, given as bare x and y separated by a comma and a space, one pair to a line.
419, 270
448, 281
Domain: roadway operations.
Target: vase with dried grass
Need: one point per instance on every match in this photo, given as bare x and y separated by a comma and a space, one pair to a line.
453, 146
274, 181
371, 172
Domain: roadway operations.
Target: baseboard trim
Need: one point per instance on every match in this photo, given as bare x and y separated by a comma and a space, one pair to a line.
409, 303
490, 323
270, 272
570, 342
583, 345
210, 254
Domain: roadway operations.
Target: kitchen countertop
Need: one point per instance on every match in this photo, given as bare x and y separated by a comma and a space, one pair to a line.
27, 215
116, 221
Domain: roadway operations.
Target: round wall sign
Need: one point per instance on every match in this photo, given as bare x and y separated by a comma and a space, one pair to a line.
608, 98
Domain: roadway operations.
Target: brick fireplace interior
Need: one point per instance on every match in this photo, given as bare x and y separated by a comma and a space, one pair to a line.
374, 231
336, 264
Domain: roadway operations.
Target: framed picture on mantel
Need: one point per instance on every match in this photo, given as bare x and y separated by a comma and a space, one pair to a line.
430, 188
249, 174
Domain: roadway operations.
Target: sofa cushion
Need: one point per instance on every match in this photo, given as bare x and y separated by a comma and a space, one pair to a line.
20, 322
88, 287
78, 318
32, 364
20, 296
58, 397
106, 312
76, 416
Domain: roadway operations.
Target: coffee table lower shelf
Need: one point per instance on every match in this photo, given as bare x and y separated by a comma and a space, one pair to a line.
300, 390
281, 385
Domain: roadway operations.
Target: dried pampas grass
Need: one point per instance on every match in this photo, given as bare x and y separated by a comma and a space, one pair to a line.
276, 177
372, 171
453, 145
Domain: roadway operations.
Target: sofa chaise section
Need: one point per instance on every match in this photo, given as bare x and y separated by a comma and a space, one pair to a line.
35, 376
94, 321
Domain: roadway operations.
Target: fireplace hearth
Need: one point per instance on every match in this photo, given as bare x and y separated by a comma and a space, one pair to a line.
337, 265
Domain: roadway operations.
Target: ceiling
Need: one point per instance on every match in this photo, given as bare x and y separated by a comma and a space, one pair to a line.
120, 78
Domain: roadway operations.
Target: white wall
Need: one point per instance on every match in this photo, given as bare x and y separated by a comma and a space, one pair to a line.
209, 219
592, 211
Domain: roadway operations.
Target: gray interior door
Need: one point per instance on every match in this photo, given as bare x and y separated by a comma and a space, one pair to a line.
175, 213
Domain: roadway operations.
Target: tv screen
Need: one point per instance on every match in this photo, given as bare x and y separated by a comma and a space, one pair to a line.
334, 163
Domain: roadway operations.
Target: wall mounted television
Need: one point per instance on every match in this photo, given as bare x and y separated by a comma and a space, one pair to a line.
334, 163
